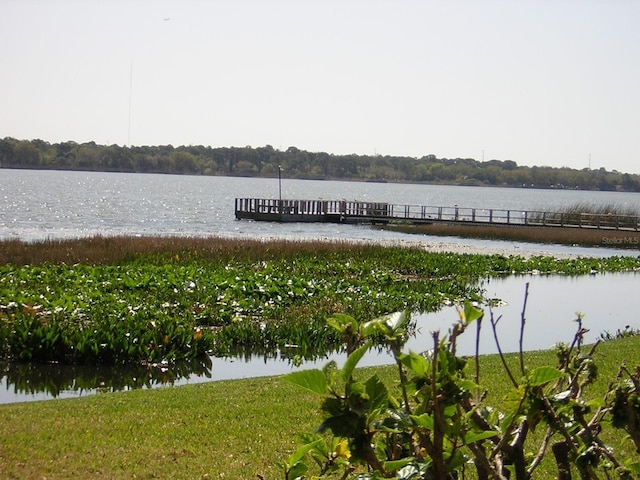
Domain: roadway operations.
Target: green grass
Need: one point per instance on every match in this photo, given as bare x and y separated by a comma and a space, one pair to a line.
227, 429
230, 429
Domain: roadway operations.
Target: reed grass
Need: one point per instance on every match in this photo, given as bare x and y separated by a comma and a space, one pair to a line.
601, 209
225, 430
108, 250
519, 233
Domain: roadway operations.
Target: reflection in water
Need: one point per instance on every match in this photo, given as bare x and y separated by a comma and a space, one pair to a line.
26, 381
51, 380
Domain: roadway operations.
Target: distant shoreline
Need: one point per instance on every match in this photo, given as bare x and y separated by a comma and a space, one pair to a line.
320, 179
293, 163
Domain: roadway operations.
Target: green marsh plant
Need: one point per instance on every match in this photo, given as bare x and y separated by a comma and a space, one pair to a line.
149, 300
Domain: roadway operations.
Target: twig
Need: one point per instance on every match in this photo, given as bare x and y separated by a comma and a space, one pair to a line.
541, 451
477, 357
522, 322
438, 413
494, 322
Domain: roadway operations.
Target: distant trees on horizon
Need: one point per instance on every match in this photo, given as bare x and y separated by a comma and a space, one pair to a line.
295, 163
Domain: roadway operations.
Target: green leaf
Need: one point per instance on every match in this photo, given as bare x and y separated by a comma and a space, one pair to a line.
339, 322
595, 403
456, 461
297, 470
352, 361
393, 465
391, 325
302, 451
472, 437
415, 363
470, 314
514, 397
543, 375
395, 321
506, 422
425, 421
467, 385
378, 393
372, 327
312, 380
343, 425
633, 466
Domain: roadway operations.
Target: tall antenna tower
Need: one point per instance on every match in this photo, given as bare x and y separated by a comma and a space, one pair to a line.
130, 97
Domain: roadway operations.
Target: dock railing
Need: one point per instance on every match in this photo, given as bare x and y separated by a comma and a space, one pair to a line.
360, 212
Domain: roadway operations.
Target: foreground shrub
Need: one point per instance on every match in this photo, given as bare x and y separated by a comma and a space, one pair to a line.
439, 425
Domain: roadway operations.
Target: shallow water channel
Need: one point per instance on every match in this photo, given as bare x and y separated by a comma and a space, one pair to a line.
607, 301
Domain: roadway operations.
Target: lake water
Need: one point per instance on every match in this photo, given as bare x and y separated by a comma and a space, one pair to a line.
36, 205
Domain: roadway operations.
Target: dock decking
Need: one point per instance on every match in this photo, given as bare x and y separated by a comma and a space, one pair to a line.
355, 212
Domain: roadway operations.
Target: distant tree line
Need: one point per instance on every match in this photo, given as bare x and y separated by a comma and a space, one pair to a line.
295, 163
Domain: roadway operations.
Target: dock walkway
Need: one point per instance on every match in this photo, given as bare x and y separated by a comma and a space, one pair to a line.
356, 212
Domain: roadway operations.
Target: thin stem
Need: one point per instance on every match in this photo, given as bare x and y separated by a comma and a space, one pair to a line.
494, 323
438, 414
477, 357
403, 379
522, 323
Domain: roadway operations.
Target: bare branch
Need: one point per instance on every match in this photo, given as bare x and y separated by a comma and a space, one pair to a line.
522, 323
494, 323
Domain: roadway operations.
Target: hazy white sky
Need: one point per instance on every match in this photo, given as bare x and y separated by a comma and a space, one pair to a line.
553, 82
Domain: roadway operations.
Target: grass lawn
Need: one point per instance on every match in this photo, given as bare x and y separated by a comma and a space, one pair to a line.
227, 429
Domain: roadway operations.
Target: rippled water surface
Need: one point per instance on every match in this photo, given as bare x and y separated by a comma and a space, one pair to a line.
36, 205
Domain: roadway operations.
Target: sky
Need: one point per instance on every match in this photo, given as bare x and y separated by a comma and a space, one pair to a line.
548, 83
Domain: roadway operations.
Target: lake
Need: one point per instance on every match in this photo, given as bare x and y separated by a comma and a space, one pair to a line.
36, 205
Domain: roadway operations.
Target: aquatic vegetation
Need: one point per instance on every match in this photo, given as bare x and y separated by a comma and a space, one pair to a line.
170, 300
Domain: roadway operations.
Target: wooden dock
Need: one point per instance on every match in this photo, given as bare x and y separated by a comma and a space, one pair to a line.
355, 212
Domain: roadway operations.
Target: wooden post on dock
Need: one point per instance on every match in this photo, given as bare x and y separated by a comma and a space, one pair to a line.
280, 191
